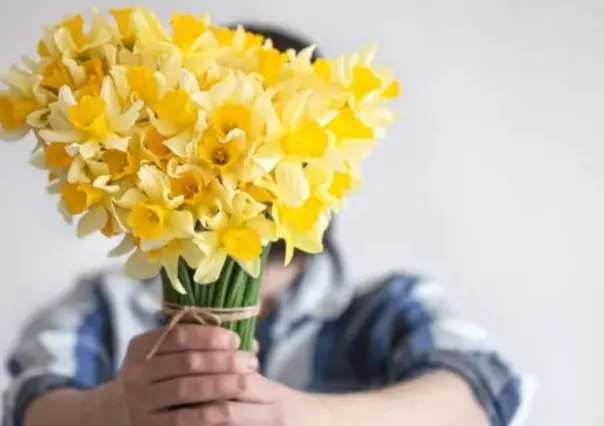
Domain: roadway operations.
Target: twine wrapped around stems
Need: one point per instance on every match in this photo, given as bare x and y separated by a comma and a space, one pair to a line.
199, 315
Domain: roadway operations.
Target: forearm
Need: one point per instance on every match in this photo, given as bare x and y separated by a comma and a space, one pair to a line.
71, 407
438, 399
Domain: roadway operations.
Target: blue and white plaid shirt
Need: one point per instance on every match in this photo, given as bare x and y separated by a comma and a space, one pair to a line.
322, 338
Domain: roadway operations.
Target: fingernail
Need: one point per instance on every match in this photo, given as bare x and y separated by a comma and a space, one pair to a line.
248, 360
234, 340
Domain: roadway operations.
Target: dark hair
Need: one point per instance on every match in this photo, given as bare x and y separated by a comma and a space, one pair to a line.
284, 40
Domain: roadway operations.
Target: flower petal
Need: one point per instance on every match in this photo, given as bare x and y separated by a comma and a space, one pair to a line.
252, 267
77, 171
151, 245
182, 223
109, 95
92, 221
124, 247
153, 182
191, 253
60, 136
38, 119
207, 242
292, 183
102, 182
188, 82
178, 144
210, 267
114, 141
267, 156
294, 110
140, 267
170, 263
126, 122
90, 150
130, 198
67, 217
38, 160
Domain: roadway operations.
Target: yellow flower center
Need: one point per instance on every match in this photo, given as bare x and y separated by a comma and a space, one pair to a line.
177, 108
120, 163
186, 29
143, 84
303, 218
154, 141
346, 125
364, 81
89, 116
242, 243
189, 185
77, 197
229, 117
56, 75
340, 185
14, 111
57, 157
308, 140
221, 155
147, 221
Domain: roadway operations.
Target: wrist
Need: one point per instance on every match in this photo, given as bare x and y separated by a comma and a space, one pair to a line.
95, 407
108, 403
302, 405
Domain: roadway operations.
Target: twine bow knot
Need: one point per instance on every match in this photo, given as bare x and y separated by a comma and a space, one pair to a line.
199, 315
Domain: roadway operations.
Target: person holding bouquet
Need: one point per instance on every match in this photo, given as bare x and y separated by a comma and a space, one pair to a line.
324, 355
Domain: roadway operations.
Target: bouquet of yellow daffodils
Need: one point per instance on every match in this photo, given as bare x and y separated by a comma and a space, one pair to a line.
199, 146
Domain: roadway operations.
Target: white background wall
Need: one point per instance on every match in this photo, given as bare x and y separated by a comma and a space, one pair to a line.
492, 182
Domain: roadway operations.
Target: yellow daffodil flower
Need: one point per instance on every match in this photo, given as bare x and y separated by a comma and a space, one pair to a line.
238, 230
186, 31
70, 38
93, 122
143, 265
153, 216
302, 227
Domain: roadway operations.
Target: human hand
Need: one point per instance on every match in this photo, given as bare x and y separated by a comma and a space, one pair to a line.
195, 367
261, 402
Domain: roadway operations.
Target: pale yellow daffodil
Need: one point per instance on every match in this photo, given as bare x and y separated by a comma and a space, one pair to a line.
92, 123
238, 230
70, 37
153, 215
145, 265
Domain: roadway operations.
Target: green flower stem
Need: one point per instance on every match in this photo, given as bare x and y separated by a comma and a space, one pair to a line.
233, 289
